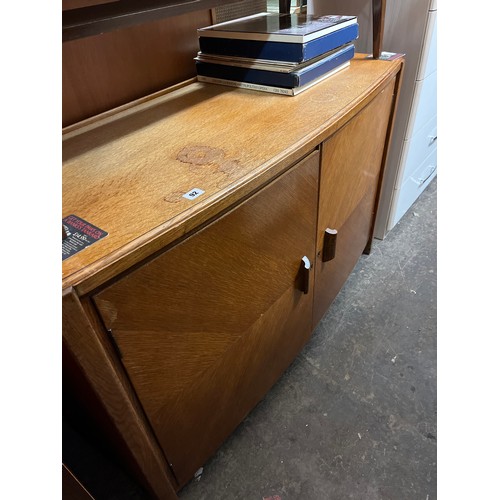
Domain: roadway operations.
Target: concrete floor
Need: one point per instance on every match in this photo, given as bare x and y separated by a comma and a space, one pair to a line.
355, 414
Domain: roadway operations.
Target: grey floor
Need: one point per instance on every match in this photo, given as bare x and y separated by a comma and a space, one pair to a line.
355, 415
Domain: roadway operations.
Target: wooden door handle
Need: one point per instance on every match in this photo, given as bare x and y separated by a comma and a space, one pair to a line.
304, 275
329, 244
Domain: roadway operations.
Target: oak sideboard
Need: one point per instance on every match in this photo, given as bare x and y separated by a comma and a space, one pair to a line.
222, 223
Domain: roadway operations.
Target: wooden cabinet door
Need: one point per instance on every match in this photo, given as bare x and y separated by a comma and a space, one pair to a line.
350, 168
206, 328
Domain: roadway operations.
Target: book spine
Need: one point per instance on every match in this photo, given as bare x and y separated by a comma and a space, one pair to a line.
255, 76
235, 61
246, 85
320, 68
278, 51
292, 52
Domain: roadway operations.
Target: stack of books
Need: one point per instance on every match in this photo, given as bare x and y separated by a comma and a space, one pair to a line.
279, 53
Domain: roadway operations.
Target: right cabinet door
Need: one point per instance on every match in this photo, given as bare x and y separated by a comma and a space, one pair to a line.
350, 169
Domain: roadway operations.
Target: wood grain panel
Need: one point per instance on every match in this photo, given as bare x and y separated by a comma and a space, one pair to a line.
76, 4
351, 160
105, 71
206, 328
350, 168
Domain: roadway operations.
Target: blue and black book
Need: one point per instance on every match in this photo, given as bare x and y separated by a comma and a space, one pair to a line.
298, 78
279, 51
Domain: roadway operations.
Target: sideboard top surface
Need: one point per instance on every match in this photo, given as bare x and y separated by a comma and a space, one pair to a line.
127, 172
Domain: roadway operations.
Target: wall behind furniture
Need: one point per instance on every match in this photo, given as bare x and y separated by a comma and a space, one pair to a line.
104, 71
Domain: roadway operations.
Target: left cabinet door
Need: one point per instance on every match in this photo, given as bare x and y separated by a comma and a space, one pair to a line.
206, 328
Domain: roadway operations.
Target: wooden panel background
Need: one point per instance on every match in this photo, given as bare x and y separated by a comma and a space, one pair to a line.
224, 13
76, 4
108, 70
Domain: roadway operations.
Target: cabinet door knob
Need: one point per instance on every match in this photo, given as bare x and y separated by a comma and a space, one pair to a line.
304, 275
329, 244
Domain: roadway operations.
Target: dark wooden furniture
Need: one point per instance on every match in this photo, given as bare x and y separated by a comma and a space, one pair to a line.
187, 312
378, 13
95, 18
72, 489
